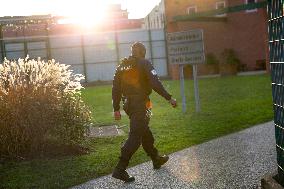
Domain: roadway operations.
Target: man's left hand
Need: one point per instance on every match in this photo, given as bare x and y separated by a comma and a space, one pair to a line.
173, 102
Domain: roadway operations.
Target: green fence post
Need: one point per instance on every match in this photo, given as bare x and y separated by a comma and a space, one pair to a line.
276, 50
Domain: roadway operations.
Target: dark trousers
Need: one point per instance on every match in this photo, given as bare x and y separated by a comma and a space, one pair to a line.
140, 133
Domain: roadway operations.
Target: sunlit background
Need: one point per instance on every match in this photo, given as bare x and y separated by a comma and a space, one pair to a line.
84, 12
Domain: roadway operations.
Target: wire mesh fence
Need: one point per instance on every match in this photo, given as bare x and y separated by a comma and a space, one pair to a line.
276, 48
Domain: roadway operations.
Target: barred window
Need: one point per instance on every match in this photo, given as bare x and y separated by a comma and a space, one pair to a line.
220, 5
250, 2
191, 10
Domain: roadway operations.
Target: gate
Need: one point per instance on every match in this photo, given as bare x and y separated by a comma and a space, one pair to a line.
276, 50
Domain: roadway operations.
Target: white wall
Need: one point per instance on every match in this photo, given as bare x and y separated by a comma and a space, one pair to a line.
99, 51
37, 49
14, 50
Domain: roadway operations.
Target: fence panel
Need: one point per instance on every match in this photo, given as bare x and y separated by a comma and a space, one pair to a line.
78, 69
100, 38
37, 49
101, 71
131, 36
15, 55
276, 36
68, 55
158, 35
93, 54
65, 41
161, 66
158, 49
14, 50
100, 53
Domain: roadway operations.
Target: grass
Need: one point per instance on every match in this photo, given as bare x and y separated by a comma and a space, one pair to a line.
227, 105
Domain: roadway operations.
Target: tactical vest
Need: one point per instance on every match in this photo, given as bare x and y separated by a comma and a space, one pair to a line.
133, 78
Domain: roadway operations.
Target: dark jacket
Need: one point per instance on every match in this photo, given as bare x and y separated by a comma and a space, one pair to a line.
135, 77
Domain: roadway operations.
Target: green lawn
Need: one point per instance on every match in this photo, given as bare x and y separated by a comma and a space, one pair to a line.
227, 105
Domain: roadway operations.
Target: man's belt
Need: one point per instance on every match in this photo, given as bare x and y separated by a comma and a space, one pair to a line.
136, 97
147, 100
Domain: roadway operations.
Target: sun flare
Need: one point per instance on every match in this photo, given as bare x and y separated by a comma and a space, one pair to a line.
85, 14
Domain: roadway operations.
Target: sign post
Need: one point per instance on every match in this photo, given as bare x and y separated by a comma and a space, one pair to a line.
181, 75
196, 90
187, 47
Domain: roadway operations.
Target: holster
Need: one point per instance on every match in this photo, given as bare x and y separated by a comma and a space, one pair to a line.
136, 103
125, 105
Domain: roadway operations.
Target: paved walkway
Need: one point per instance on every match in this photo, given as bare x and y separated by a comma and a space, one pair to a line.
235, 161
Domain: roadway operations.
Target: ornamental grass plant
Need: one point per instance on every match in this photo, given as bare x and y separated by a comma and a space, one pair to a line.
40, 105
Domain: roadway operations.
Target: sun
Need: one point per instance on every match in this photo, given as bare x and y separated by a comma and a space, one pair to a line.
86, 14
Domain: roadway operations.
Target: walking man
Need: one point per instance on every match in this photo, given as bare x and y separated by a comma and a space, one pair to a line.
134, 79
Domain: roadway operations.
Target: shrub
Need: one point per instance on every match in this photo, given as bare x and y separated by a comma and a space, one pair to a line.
40, 103
211, 59
229, 57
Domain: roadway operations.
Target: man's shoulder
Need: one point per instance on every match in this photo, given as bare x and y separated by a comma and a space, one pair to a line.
145, 63
122, 64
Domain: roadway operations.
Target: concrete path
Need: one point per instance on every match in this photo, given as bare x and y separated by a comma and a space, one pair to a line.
235, 161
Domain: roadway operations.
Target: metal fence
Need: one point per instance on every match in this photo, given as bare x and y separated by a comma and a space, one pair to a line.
93, 54
276, 48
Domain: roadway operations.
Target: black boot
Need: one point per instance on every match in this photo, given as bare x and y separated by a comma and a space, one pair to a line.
158, 161
120, 171
122, 175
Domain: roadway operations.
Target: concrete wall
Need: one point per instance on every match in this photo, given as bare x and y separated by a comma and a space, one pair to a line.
95, 55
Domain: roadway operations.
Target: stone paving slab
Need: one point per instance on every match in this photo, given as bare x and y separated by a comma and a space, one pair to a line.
234, 161
105, 131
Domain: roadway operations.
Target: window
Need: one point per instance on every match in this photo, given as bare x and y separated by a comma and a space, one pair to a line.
220, 5
191, 10
249, 2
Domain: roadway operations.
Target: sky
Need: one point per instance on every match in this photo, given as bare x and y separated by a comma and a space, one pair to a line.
136, 8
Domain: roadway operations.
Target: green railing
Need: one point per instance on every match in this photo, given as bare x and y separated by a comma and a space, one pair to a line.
276, 50
201, 15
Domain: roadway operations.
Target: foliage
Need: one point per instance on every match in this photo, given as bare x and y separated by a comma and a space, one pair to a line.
261, 64
229, 57
211, 59
40, 102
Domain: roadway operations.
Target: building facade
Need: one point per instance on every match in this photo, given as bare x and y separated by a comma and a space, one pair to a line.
244, 30
116, 19
156, 18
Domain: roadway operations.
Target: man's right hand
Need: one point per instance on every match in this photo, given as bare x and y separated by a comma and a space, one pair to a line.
117, 115
173, 102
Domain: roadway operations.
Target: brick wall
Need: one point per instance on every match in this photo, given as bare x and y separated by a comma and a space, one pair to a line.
245, 32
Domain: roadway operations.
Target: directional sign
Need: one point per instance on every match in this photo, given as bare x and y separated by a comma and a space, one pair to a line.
186, 47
